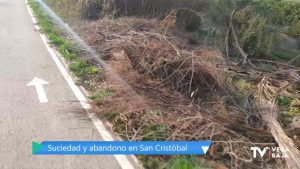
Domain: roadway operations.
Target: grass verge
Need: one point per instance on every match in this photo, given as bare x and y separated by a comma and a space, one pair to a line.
82, 69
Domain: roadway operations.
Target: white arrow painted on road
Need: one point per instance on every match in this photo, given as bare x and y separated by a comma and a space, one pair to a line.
38, 84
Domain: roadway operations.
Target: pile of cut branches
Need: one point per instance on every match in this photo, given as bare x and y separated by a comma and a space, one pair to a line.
174, 80
184, 71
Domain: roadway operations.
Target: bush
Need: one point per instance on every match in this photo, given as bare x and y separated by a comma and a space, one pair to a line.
294, 30
90, 9
280, 12
253, 36
284, 101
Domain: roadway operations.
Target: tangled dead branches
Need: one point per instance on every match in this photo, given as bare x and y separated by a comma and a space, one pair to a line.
169, 76
265, 97
156, 56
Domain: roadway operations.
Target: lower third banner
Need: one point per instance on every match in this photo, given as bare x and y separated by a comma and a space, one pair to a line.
121, 147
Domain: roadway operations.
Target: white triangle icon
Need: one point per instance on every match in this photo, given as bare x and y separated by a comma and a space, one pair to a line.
205, 148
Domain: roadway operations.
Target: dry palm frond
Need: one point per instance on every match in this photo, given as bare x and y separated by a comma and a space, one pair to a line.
265, 97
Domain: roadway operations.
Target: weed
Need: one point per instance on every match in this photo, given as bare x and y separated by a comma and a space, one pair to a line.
290, 112
82, 69
99, 95
55, 39
78, 67
244, 88
66, 53
286, 118
91, 70
284, 101
294, 111
43, 20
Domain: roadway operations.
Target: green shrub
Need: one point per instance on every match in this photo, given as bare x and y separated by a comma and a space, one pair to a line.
294, 30
288, 115
286, 118
279, 11
92, 70
284, 101
244, 88
55, 39
253, 37
260, 25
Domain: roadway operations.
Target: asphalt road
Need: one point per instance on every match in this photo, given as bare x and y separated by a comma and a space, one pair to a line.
23, 118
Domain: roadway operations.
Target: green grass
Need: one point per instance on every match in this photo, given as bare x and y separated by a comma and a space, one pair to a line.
78, 66
289, 111
82, 68
244, 88
288, 115
294, 111
175, 162
284, 101
99, 95
188, 162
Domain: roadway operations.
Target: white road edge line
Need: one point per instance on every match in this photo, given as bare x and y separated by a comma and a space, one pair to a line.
121, 159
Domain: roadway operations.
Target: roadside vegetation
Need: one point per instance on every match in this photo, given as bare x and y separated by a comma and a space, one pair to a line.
83, 70
224, 70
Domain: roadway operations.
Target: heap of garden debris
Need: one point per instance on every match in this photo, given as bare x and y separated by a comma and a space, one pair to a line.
164, 83
183, 91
